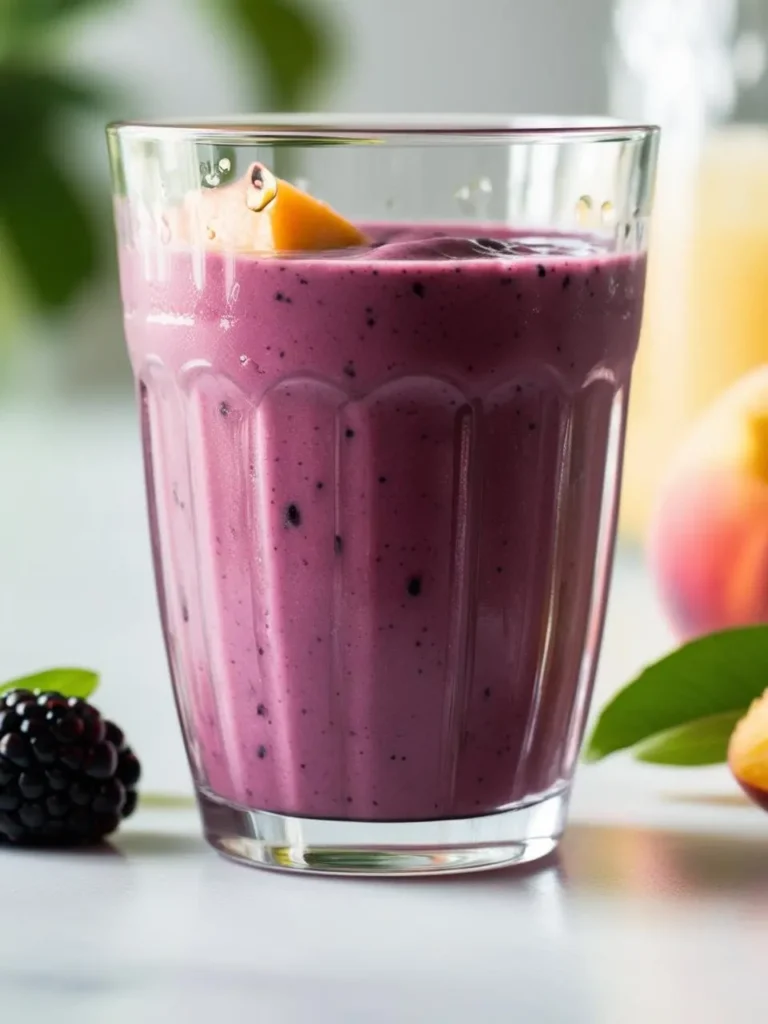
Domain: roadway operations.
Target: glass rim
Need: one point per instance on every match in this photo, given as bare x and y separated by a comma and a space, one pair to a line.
362, 129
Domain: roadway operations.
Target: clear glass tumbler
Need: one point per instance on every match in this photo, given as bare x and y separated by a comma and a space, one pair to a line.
383, 431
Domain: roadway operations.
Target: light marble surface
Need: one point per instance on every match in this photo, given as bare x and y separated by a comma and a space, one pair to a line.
655, 911
629, 926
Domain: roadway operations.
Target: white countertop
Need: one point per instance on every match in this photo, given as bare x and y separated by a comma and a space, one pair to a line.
655, 911
629, 926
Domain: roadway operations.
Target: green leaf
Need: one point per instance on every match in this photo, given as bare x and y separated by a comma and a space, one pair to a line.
46, 223
167, 801
18, 15
719, 673
11, 302
47, 226
288, 39
72, 682
32, 101
28, 27
703, 741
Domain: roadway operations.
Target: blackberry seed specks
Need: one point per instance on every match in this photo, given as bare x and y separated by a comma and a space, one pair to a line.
293, 515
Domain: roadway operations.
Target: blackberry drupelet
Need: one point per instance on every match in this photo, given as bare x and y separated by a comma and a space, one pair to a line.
67, 776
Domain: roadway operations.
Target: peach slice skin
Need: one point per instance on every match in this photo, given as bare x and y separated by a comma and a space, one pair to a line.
748, 752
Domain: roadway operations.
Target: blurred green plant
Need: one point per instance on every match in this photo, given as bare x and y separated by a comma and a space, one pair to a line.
293, 47
49, 224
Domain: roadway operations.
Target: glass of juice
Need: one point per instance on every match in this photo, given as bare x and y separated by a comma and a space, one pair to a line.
382, 370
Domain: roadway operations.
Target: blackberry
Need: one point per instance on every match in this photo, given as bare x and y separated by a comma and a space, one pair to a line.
67, 776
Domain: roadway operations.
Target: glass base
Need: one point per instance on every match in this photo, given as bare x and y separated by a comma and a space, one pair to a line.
516, 835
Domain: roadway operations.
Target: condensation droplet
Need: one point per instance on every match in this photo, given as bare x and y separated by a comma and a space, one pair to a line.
626, 235
473, 198
244, 360
607, 212
584, 209
210, 175
262, 189
234, 292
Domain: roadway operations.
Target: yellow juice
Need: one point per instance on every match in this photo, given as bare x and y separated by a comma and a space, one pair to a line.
706, 319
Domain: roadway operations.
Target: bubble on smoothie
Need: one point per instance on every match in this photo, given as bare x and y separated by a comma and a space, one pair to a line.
447, 247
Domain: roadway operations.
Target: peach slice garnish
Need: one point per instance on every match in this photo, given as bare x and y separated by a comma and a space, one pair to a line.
748, 751
260, 213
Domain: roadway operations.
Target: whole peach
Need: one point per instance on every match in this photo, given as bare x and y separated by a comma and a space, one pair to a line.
708, 539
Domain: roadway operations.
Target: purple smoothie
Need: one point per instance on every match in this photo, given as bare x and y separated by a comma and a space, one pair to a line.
382, 490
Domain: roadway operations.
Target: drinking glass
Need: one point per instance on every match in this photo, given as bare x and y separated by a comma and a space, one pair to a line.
382, 371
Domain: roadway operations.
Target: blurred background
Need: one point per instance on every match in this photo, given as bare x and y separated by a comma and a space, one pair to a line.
76, 583
69, 65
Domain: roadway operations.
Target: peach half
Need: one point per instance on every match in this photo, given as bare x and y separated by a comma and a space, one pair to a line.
708, 542
748, 752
